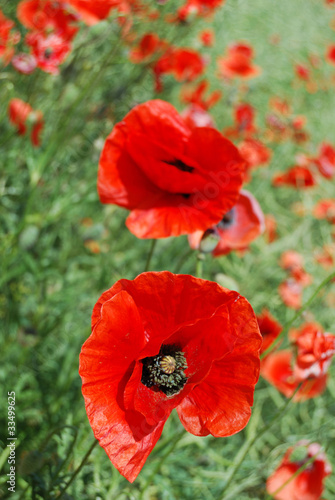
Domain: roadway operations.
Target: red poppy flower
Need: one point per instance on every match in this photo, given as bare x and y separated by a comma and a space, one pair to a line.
197, 7
302, 72
326, 257
277, 369
195, 95
20, 114
149, 44
315, 350
291, 293
8, 38
254, 152
48, 17
207, 38
299, 177
238, 62
331, 54
269, 327
308, 484
325, 162
174, 179
238, 228
50, 51
290, 260
94, 11
244, 117
183, 63
164, 341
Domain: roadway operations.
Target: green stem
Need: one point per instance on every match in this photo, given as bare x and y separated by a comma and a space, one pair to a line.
199, 264
251, 441
76, 472
288, 325
183, 259
151, 251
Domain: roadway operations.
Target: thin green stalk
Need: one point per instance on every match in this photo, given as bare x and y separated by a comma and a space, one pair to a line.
183, 259
76, 472
288, 325
250, 442
199, 264
151, 251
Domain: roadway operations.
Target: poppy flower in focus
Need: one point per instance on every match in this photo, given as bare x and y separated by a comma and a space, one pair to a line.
308, 484
175, 180
325, 162
165, 341
21, 114
297, 176
237, 229
278, 369
47, 16
238, 62
269, 327
315, 350
50, 51
325, 209
8, 38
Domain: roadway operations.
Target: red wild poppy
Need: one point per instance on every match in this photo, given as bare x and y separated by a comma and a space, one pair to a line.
299, 177
8, 38
290, 292
24, 63
207, 38
47, 16
325, 162
269, 327
93, 11
197, 8
21, 114
149, 44
238, 62
315, 350
277, 368
175, 180
255, 153
331, 54
308, 484
291, 260
196, 95
183, 63
238, 228
302, 72
165, 341
325, 209
50, 51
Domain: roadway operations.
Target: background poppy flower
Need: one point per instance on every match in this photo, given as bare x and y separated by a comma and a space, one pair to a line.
238, 62
8, 38
238, 228
325, 162
175, 180
325, 209
299, 177
269, 327
165, 341
94, 11
308, 485
278, 369
20, 113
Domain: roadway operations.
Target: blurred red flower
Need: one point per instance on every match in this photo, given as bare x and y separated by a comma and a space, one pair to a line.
196, 95
255, 153
277, 368
207, 37
290, 292
94, 11
315, 350
331, 54
325, 162
291, 260
299, 177
308, 484
238, 62
197, 8
8, 38
270, 228
196, 116
302, 72
50, 51
238, 228
325, 209
149, 44
244, 117
183, 63
269, 327
47, 16
175, 180
21, 114
165, 341
24, 63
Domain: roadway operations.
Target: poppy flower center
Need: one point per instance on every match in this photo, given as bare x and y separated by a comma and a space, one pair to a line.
180, 165
165, 372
